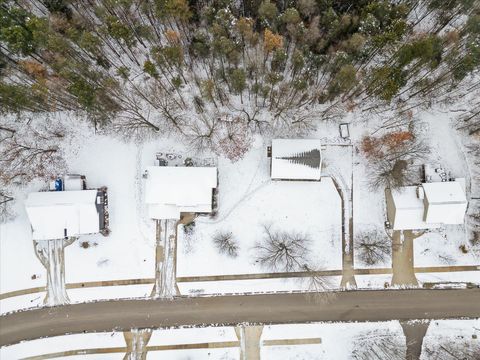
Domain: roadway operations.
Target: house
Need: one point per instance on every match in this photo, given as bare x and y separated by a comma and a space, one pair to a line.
427, 206
62, 214
296, 159
445, 202
171, 190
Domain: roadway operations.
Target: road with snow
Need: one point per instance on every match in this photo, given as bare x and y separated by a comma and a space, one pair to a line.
364, 305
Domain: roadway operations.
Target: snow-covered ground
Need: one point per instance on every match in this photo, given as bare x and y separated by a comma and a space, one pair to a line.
247, 198
326, 341
19, 266
445, 278
115, 340
440, 247
452, 339
311, 208
247, 201
320, 341
128, 252
249, 286
62, 343
22, 302
443, 247
109, 292
373, 281
338, 341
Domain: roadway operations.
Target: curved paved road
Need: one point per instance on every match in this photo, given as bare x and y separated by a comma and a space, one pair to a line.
275, 308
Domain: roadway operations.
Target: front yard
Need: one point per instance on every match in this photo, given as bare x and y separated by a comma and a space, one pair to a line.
248, 203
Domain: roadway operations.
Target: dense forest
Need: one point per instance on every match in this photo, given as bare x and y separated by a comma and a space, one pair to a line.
215, 72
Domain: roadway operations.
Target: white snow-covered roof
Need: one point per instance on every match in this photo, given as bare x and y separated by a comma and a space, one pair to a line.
52, 212
408, 210
446, 202
441, 203
170, 190
73, 183
296, 159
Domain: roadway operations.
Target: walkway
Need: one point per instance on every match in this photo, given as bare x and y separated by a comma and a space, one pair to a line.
146, 281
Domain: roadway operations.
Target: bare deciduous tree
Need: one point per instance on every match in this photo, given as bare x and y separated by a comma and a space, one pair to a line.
226, 243
378, 345
134, 120
373, 246
384, 174
30, 150
170, 109
235, 139
454, 349
319, 286
282, 251
392, 156
203, 133
6, 212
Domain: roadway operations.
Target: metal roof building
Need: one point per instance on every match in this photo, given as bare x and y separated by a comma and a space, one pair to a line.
296, 159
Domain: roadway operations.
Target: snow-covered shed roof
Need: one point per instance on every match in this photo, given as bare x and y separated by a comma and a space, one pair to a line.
170, 190
446, 202
405, 209
53, 214
296, 159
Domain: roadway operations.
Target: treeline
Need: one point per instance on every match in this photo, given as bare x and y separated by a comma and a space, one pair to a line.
216, 71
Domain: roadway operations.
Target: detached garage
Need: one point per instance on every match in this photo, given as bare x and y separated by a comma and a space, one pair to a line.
296, 159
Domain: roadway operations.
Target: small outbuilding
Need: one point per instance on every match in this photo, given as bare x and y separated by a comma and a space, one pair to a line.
62, 214
296, 159
171, 190
427, 206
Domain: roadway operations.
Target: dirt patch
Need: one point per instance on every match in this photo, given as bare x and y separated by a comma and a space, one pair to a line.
87, 244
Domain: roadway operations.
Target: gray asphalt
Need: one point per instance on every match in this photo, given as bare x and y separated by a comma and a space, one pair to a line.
267, 309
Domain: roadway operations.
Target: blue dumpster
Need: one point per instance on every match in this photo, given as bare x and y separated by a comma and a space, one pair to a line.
58, 184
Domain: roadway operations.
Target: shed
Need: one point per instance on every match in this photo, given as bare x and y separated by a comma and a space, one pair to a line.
296, 159
59, 214
171, 190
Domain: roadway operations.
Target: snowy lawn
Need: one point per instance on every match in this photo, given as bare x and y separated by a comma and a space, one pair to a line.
447, 246
248, 200
22, 302
128, 252
447, 277
62, 343
452, 339
335, 341
117, 340
373, 281
19, 266
338, 340
247, 286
